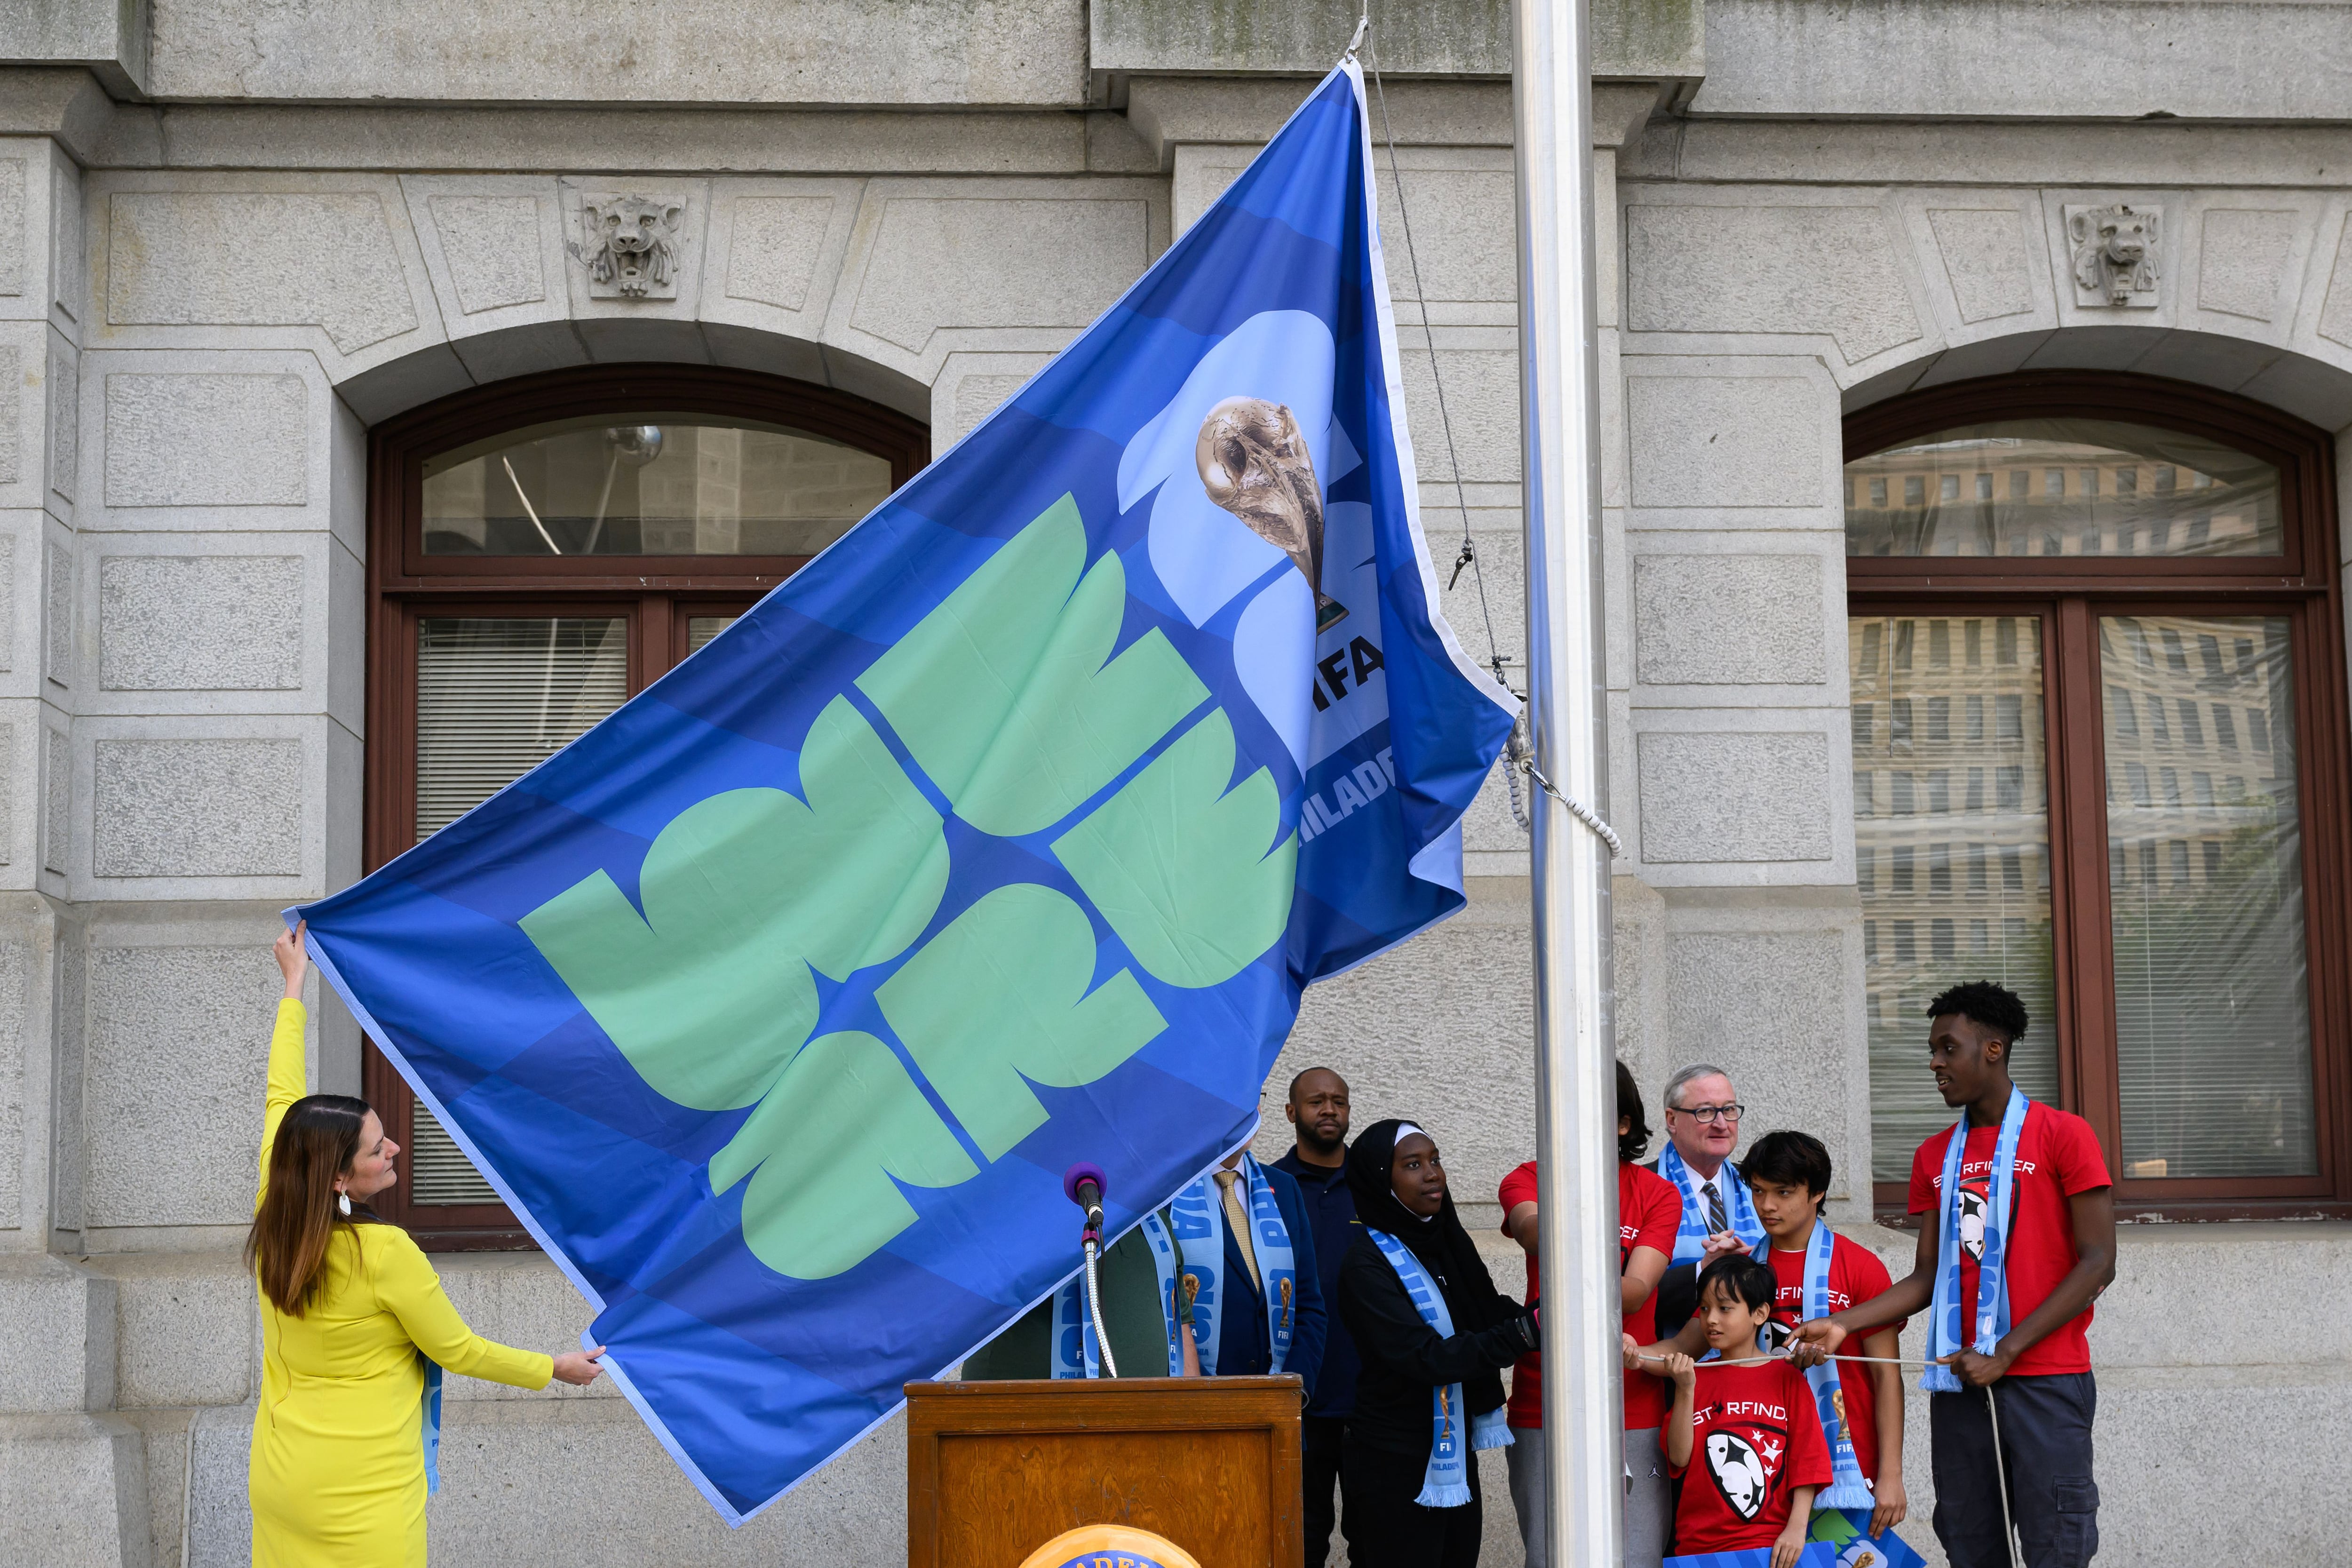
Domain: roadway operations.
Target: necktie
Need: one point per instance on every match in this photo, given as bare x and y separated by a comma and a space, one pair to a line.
1238, 1221
1718, 1221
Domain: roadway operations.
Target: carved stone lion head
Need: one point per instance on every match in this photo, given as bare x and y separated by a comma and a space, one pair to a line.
2114, 250
633, 242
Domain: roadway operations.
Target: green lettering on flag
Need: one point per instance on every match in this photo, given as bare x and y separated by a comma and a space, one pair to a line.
1179, 864
709, 993
1003, 695
843, 1120
998, 999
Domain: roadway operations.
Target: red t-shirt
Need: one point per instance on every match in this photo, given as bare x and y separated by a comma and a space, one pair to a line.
1649, 1213
2058, 1155
1754, 1438
1856, 1276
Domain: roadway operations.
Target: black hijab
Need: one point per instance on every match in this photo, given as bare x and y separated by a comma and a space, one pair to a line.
1441, 1243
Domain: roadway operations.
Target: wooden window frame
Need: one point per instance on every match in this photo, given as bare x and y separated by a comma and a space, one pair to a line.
656, 593
2070, 595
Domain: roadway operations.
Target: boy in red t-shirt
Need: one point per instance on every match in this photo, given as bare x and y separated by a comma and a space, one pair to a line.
1649, 1211
2059, 1253
1756, 1438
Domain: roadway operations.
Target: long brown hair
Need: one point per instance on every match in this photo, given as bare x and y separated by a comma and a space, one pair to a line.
286, 1248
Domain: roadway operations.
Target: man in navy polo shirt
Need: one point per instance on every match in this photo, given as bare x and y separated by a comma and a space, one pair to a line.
1318, 1108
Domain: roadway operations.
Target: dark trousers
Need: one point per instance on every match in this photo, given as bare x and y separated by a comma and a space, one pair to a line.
1386, 1529
1320, 1441
2045, 1442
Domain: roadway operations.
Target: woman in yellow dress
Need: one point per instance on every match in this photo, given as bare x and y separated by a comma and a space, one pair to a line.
351, 1311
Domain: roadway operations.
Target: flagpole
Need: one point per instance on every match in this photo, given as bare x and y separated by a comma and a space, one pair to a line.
1568, 720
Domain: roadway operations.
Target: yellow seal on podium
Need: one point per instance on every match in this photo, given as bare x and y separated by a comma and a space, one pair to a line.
1109, 1546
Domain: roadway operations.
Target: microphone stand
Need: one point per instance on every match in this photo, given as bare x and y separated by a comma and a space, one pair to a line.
1084, 1184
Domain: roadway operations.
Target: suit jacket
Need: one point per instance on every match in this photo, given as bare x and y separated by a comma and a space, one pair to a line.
1678, 1287
1244, 1348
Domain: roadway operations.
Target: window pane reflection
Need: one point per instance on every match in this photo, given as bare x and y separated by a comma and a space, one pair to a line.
1952, 847
2084, 488
649, 484
2205, 881
701, 629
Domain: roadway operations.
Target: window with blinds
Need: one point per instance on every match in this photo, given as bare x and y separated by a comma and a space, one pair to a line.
2205, 894
496, 696
2096, 685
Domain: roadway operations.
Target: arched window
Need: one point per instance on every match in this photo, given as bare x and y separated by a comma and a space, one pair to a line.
2099, 744
541, 549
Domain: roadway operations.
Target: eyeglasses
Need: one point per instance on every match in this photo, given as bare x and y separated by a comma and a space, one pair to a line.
1709, 1113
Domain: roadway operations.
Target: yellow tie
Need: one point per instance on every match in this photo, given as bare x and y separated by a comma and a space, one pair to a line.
1237, 1219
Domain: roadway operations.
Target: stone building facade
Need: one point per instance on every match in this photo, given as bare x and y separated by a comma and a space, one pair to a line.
243, 245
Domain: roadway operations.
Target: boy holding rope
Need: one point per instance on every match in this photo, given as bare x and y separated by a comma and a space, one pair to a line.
2017, 1239
1859, 1404
1757, 1440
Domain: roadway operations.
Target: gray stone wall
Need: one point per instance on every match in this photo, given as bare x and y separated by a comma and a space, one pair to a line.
233, 236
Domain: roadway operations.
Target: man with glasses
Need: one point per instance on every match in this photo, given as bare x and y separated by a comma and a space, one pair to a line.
1701, 1131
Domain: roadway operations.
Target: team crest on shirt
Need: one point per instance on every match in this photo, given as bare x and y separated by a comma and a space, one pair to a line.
1743, 1469
1973, 1202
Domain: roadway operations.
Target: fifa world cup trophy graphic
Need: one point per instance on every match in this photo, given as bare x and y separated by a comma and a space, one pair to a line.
1255, 464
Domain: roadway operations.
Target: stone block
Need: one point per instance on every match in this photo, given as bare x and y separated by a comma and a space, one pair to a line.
1721, 619
926, 54
1736, 796
536, 1479
2242, 260
1798, 269
777, 242
1480, 382
73, 1492
2335, 322
971, 387
517, 1299
57, 614
22, 1022
1723, 441
1021, 258
196, 623
68, 1312
187, 1326
1426, 1031
220, 1515
491, 244
205, 440
65, 423
1731, 996
2107, 60
219, 258
1463, 227
15, 230
198, 807
1983, 251
194, 1015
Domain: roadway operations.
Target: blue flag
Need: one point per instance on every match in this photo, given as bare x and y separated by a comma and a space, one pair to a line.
1004, 835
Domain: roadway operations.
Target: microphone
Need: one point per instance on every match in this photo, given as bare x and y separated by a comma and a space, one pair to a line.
1083, 1185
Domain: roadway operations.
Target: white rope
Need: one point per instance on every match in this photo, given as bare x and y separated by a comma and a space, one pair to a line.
1525, 757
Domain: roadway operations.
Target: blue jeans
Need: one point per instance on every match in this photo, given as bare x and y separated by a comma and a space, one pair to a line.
2045, 1442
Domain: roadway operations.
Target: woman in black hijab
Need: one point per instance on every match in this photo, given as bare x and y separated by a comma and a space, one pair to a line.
1386, 1463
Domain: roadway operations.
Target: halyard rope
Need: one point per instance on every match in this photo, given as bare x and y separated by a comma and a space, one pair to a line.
1519, 750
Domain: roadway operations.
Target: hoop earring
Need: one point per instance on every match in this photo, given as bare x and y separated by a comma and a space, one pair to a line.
343, 1202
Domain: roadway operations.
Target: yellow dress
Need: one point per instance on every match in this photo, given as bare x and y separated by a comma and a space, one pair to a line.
338, 1470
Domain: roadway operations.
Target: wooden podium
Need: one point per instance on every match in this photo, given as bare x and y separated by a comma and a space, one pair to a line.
996, 1469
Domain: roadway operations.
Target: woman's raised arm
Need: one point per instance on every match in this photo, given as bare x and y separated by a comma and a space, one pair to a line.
289, 1071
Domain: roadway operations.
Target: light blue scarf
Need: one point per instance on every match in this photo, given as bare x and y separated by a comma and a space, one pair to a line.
432, 1422
1447, 1482
1189, 1247
1690, 1241
1847, 1488
1945, 1327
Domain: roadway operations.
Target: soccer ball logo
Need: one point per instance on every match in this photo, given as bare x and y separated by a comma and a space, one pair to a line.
1738, 1472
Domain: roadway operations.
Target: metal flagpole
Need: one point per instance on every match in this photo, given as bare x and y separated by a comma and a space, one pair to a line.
1568, 728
